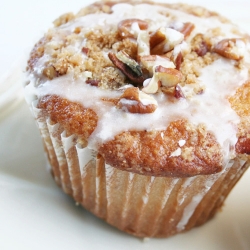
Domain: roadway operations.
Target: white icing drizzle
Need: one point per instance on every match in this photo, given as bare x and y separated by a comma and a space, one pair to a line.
212, 108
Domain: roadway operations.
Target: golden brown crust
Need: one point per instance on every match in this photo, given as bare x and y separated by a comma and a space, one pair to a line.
72, 116
149, 153
143, 152
240, 102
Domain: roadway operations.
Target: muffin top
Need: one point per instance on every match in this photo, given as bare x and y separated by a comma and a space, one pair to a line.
157, 89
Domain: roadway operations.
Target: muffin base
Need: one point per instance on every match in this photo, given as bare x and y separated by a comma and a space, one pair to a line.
144, 206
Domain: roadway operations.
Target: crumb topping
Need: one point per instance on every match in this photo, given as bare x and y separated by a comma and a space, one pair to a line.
78, 51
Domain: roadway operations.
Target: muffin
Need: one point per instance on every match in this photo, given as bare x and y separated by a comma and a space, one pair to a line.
144, 117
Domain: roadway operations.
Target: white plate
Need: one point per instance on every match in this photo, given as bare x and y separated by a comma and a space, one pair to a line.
34, 212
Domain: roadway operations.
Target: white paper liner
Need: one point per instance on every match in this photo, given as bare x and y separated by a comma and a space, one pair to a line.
141, 205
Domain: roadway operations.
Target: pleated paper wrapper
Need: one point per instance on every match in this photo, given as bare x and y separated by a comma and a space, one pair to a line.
145, 206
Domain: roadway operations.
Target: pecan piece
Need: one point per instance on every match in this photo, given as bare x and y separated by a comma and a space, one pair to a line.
233, 48
187, 29
178, 93
93, 82
184, 28
163, 77
203, 49
178, 61
167, 76
135, 101
164, 40
177, 54
200, 45
125, 27
126, 70
125, 58
156, 38
85, 51
150, 61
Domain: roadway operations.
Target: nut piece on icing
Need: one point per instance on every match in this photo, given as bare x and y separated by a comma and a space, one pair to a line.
150, 61
178, 61
125, 69
201, 45
135, 101
184, 28
163, 77
233, 48
187, 29
131, 27
93, 82
131, 63
167, 76
164, 40
157, 38
178, 93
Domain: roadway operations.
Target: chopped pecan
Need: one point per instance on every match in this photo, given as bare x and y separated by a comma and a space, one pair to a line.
135, 101
203, 49
150, 61
233, 48
187, 29
159, 45
111, 100
184, 28
178, 93
167, 76
177, 54
125, 58
85, 50
163, 77
178, 61
200, 45
156, 38
126, 70
93, 82
125, 27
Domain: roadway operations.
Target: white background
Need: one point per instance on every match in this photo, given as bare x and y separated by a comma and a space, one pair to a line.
34, 213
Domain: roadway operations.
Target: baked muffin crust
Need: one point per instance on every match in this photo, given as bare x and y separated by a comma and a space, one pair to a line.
78, 57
